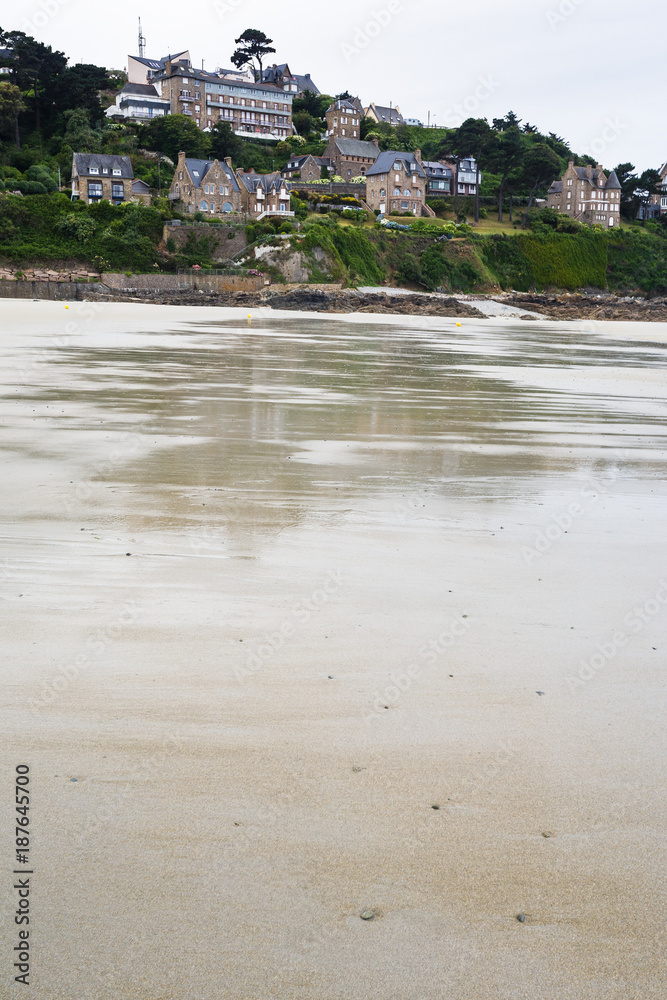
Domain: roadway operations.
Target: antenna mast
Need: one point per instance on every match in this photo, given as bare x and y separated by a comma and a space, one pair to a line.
142, 43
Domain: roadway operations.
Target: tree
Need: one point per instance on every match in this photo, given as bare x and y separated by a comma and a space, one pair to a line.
169, 134
315, 104
648, 184
223, 141
78, 87
253, 45
539, 166
78, 133
37, 68
628, 180
474, 138
11, 106
304, 123
507, 152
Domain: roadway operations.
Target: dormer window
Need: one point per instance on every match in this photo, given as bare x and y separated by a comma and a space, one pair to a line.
397, 166
94, 170
105, 170
116, 172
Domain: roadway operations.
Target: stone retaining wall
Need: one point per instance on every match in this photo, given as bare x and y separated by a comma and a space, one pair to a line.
224, 247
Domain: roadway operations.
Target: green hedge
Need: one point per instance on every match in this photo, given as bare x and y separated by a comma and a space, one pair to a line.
562, 260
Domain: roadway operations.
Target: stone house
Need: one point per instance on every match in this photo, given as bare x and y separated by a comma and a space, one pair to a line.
208, 186
281, 76
396, 183
349, 155
264, 194
307, 167
587, 195
98, 176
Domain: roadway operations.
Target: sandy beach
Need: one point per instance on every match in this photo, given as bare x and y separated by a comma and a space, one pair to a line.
314, 616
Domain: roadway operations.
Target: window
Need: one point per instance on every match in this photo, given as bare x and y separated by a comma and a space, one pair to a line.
203, 206
117, 192
397, 192
105, 170
94, 170
116, 172
94, 190
407, 192
382, 192
405, 204
197, 108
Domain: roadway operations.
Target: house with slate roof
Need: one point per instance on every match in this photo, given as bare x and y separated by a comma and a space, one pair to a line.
208, 186
396, 183
281, 76
391, 116
306, 167
138, 102
97, 176
350, 156
587, 195
439, 177
264, 194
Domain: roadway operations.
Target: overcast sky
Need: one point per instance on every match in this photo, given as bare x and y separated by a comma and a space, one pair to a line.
590, 70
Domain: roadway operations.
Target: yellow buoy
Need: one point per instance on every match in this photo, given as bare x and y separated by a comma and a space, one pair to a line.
66, 307
458, 324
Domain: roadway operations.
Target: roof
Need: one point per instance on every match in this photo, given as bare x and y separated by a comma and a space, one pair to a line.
356, 147
305, 83
84, 161
386, 160
140, 186
391, 115
613, 181
267, 182
345, 105
323, 161
556, 188
199, 74
142, 89
434, 166
158, 63
198, 169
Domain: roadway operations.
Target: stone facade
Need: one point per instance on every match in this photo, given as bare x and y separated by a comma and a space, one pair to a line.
349, 155
307, 168
264, 193
98, 176
587, 195
207, 98
396, 183
207, 186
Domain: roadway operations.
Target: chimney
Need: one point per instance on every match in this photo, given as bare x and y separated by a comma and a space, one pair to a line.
375, 143
418, 155
589, 171
570, 165
228, 161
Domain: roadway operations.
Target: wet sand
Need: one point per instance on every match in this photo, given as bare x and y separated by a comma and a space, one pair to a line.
273, 593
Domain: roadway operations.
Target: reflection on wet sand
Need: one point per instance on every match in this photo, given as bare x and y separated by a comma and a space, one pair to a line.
276, 593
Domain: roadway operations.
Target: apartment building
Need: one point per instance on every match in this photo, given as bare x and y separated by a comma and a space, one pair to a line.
260, 109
